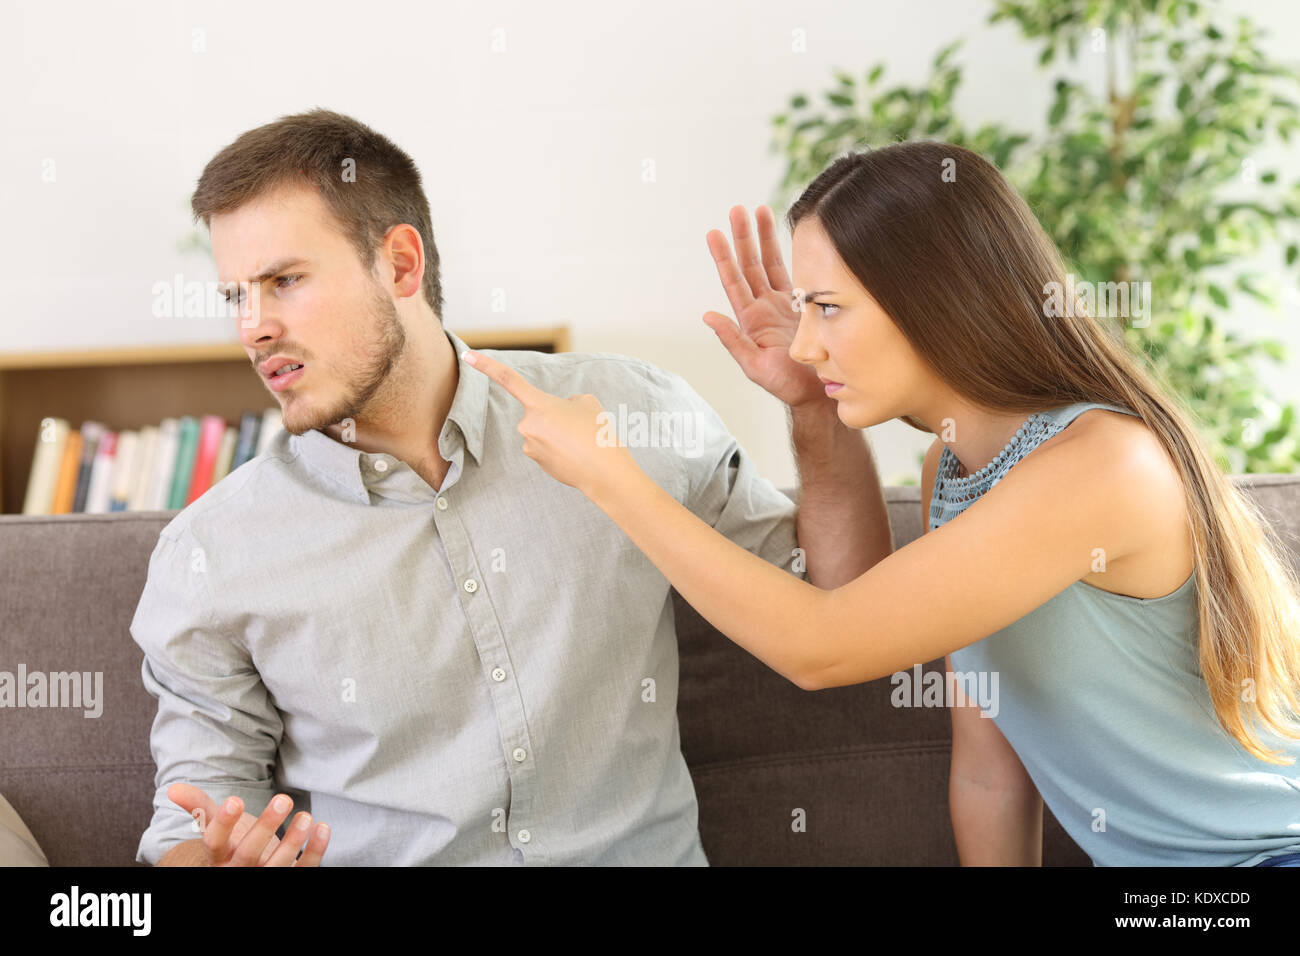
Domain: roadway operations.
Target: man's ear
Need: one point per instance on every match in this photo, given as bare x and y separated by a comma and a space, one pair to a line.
403, 253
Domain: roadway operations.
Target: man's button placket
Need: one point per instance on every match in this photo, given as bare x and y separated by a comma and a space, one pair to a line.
490, 641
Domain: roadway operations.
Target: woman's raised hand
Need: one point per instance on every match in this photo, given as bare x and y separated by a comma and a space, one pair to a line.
762, 296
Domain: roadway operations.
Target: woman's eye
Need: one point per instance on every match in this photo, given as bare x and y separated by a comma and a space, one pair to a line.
824, 306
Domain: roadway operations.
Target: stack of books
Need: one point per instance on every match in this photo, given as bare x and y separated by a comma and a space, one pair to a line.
160, 467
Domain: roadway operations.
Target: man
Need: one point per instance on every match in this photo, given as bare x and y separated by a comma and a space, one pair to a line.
392, 617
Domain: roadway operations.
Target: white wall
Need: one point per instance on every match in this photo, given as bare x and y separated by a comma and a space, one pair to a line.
532, 157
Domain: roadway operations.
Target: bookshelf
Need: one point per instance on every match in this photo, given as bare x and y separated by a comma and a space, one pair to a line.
134, 386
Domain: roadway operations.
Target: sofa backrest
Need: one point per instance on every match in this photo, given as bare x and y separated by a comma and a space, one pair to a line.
783, 776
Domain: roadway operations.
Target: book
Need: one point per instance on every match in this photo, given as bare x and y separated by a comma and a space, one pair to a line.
124, 464
250, 423
225, 454
165, 466
51, 441
100, 487
272, 423
211, 431
90, 432
187, 440
145, 454
65, 490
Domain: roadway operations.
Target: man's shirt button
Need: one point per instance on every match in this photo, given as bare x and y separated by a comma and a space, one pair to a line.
471, 585
498, 674
521, 754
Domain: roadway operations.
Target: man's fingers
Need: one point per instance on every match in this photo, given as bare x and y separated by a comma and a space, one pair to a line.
733, 283
772, 261
528, 394
250, 849
751, 264
287, 852
320, 838
193, 801
217, 836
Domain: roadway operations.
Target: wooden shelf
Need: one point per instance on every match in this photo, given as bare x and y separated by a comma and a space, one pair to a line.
130, 387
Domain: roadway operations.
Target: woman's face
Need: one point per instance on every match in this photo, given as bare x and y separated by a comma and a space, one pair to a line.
848, 338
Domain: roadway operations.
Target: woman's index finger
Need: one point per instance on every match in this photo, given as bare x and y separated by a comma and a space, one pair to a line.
523, 390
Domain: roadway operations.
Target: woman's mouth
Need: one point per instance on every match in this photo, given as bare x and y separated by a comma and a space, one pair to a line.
832, 387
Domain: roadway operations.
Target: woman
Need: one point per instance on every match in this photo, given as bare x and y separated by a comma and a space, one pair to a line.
1134, 605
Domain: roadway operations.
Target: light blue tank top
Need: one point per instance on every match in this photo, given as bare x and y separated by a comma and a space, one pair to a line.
1101, 697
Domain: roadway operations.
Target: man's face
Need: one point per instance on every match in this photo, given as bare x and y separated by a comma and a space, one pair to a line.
319, 308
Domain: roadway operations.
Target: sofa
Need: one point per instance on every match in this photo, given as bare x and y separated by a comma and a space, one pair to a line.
784, 776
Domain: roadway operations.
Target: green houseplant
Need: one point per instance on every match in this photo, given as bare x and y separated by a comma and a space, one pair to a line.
1141, 183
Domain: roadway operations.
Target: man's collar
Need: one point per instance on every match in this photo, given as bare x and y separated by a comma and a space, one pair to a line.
343, 462
469, 406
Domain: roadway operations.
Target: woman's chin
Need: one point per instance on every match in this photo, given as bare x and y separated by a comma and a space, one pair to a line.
850, 415
855, 415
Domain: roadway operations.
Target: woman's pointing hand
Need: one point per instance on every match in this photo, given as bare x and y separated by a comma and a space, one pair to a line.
573, 439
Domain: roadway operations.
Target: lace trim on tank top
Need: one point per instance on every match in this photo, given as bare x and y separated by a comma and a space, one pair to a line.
952, 494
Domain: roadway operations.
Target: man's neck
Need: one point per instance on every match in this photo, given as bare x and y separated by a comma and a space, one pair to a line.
413, 417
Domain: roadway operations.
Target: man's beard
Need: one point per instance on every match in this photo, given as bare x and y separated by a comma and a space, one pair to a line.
389, 344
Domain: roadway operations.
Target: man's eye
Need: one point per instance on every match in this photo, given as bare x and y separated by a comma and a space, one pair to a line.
280, 283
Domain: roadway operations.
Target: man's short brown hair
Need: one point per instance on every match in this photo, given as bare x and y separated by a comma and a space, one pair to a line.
313, 148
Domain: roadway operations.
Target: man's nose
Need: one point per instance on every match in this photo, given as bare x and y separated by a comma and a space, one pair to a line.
255, 322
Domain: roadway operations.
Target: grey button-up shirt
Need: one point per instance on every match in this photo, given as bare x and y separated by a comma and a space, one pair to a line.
481, 674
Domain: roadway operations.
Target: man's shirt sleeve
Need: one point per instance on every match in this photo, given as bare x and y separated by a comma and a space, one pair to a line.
723, 485
216, 726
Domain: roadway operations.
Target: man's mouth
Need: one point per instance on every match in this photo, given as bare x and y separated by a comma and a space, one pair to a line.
285, 377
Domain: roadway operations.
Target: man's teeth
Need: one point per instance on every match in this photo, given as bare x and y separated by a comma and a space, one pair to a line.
286, 369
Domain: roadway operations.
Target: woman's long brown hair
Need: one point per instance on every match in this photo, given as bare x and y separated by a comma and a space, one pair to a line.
961, 265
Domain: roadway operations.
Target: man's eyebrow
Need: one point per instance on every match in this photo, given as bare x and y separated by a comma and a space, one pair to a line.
275, 267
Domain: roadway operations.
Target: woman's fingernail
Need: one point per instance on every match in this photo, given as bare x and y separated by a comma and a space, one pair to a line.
468, 357
231, 805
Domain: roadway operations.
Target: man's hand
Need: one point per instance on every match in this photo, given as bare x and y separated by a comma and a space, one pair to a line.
759, 290
232, 837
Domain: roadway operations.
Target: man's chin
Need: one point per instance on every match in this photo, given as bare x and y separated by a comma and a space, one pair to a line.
295, 422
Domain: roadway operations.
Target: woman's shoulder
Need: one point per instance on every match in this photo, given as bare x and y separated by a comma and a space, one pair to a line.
1145, 488
1100, 434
